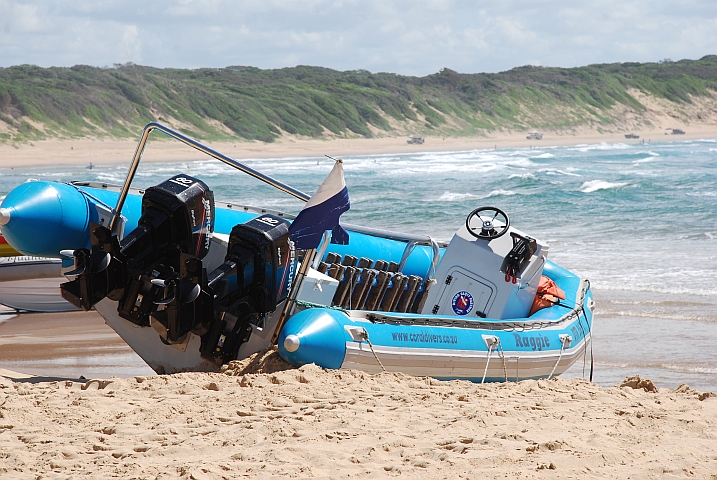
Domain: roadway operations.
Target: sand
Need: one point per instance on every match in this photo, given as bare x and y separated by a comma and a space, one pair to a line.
262, 418
86, 151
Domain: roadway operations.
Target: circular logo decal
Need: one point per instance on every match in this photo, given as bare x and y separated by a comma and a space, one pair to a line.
462, 303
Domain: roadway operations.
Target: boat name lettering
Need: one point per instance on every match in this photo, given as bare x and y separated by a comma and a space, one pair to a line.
536, 342
424, 337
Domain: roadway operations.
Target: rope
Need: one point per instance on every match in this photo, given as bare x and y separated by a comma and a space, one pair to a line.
109, 207
490, 351
591, 346
590, 330
585, 356
584, 332
364, 335
305, 304
562, 346
502, 355
510, 326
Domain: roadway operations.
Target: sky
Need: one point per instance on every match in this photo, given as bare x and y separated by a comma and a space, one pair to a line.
407, 37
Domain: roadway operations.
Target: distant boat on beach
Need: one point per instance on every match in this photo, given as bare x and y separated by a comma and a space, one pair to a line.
534, 136
631, 135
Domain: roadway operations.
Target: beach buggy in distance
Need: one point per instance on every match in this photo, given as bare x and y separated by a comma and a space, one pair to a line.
191, 283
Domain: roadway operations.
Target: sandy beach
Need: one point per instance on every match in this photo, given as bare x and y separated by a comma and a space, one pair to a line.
263, 419
85, 151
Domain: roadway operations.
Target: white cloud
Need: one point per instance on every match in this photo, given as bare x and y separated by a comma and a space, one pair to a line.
131, 45
413, 37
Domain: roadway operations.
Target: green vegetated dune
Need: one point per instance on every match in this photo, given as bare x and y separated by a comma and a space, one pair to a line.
253, 104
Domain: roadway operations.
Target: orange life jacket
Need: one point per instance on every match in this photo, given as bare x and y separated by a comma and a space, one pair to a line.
548, 295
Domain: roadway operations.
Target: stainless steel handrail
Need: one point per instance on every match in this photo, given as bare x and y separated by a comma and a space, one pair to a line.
202, 148
404, 237
412, 241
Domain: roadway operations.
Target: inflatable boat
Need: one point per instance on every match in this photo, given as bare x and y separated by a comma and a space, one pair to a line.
32, 284
191, 283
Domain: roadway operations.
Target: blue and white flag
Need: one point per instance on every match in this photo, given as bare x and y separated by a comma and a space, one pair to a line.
322, 213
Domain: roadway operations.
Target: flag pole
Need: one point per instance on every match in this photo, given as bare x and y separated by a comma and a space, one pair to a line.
319, 216
289, 304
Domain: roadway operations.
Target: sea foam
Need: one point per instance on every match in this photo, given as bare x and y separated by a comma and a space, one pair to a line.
595, 185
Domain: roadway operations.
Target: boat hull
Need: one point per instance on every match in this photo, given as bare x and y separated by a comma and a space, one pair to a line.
27, 268
35, 295
541, 346
32, 284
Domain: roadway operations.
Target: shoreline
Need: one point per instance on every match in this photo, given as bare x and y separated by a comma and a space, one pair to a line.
111, 152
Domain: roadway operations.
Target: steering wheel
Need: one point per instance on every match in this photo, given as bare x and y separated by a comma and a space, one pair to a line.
481, 223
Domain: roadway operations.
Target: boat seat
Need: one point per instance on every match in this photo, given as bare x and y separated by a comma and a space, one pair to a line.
374, 286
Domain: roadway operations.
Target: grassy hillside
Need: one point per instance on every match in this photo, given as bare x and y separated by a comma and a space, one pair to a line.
254, 104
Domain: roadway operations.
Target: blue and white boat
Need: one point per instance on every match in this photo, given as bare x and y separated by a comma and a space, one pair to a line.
191, 283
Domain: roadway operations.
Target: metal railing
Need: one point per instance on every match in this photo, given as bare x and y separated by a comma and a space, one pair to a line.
202, 148
412, 240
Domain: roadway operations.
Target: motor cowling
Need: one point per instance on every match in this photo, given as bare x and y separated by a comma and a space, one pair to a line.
254, 279
177, 216
156, 268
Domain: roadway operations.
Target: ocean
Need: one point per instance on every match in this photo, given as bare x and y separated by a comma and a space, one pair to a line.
639, 220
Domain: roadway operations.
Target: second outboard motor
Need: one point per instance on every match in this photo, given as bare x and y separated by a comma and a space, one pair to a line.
157, 266
254, 279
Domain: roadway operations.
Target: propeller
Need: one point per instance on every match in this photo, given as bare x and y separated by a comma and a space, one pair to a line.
188, 291
170, 285
98, 260
81, 255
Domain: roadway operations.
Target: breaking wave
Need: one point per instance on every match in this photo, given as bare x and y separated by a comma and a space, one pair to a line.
499, 193
595, 185
456, 197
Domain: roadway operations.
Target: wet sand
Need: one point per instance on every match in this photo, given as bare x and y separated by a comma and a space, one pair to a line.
67, 345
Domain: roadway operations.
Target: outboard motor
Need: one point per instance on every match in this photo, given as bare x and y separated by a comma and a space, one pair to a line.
254, 279
156, 269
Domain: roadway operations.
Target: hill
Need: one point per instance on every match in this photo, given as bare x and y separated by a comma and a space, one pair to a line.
253, 104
